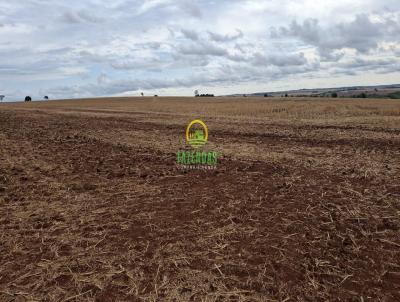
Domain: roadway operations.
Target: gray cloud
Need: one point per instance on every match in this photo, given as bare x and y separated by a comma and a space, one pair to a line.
99, 47
279, 60
79, 17
153, 64
202, 49
357, 65
191, 8
361, 34
364, 63
225, 38
190, 34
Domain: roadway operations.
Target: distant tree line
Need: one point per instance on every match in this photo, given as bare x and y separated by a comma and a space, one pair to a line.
395, 95
196, 94
362, 95
205, 95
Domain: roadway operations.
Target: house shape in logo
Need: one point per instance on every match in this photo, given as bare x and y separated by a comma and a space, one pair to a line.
198, 134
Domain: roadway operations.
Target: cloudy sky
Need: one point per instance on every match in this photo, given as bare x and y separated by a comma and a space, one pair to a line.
81, 48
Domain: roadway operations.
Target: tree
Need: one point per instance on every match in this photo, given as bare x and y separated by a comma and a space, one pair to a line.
142, 94
334, 95
46, 97
196, 93
2, 97
28, 98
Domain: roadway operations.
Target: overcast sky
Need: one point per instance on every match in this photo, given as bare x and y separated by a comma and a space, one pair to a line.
81, 48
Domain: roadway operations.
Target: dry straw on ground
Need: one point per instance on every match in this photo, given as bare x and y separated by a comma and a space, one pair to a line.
304, 205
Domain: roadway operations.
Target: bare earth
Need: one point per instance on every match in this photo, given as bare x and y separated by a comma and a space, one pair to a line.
304, 205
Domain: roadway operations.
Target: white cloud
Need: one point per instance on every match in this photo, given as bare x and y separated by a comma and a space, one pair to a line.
99, 47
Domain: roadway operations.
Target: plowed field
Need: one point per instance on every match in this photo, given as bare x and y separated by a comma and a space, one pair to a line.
303, 206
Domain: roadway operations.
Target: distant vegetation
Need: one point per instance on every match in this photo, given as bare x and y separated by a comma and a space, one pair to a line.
196, 94
395, 95
361, 96
362, 92
205, 95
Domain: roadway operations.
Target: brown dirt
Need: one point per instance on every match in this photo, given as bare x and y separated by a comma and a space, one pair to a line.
304, 205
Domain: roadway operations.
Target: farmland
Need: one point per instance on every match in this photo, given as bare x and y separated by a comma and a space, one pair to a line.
303, 206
